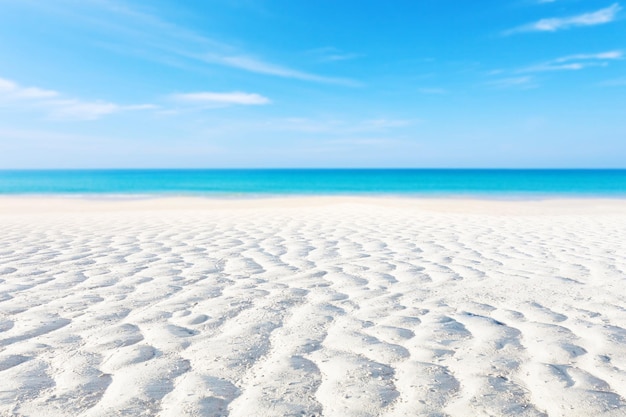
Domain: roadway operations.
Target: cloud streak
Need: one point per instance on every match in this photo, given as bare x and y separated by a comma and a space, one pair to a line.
148, 36
260, 67
89, 110
10, 89
58, 107
521, 83
331, 54
554, 24
235, 97
575, 62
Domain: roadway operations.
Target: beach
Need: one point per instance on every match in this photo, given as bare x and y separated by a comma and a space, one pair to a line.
312, 306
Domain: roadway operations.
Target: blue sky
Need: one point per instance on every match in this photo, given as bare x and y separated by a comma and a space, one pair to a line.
325, 83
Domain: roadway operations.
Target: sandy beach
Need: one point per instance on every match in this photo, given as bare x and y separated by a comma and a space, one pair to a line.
312, 307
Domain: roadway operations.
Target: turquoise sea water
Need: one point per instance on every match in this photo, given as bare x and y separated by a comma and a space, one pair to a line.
264, 182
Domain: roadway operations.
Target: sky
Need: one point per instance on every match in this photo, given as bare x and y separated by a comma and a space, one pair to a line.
324, 83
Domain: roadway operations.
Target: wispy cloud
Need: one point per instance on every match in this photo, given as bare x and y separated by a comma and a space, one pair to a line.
10, 89
56, 106
522, 78
260, 67
554, 24
88, 110
331, 54
601, 55
575, 62
235, 97
148, 36
522, 83
340, 57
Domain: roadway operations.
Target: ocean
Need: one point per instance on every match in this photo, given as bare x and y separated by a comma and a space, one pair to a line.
507, 183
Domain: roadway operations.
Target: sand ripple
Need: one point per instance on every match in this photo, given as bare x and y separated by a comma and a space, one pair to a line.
330, 309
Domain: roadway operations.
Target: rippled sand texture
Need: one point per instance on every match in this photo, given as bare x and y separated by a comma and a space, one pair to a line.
337, 309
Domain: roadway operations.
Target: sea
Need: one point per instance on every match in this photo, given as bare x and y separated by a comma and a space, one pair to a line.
243, 183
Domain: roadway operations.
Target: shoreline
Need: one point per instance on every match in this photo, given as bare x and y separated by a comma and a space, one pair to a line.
556, 205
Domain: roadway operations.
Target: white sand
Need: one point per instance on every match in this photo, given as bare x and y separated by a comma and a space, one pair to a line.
328, 306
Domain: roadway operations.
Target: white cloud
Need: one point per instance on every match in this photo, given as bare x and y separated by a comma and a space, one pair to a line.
34, 93
331, 54
79, 110
55, 106
575, 62
554, 24
257, 66
524, 83
7, 85
89, 110
601, 55
10, 89
340, 57
148, 36
235, 97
